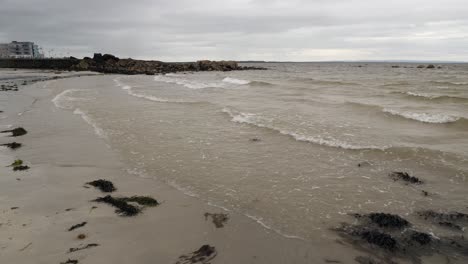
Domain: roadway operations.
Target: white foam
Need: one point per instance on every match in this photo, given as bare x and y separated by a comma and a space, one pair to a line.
62, 99
252, 119
235, 81
423, 117
423, 95
153, 98
91, 122
259, 221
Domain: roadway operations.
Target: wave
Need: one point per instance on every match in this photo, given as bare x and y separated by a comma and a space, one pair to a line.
91, 122
153, 98
424, 117
326, 82
62, 99
433, 97
255, 120
259, 220
235, 81
450, 83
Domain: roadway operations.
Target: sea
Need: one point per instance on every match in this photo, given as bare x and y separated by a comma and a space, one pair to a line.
298, 148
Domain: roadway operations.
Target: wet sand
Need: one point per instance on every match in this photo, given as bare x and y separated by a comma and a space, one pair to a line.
64, 153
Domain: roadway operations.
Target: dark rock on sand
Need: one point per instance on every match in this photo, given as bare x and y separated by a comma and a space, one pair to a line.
16, 132
103, 185
203, 255
404, 176
430, 66
385, 220
77, 226
218, 219
12, 145
83, 247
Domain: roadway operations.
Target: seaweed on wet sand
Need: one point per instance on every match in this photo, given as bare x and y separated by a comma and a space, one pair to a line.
123, 208
103, 185
13, 145
124, 204
378, 238
16, 132
218, 219
452, 220
83, 247
385, 220
404, 176
203, 255
70, 261
16, 163
20, 168
77, 226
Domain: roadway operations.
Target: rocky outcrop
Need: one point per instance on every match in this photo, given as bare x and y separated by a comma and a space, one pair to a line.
110, 64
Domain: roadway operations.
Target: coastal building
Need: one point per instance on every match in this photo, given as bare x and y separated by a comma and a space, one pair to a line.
17, 49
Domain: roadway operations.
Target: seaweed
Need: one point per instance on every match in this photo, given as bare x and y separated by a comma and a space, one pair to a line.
123, 205
404, 176
19, 131
13, 145
81, 236
385, 220
16, 163
123, 208
218, 219
378, 238
77, 226
70, 261
203, 255
103, 185
141, 200
20, 168
83, 247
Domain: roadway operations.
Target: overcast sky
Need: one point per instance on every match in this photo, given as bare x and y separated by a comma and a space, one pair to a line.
298, 30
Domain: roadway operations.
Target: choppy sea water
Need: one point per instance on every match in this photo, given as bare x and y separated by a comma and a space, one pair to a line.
282, 146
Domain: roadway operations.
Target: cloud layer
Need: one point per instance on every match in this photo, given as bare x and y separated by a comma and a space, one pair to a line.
299, 30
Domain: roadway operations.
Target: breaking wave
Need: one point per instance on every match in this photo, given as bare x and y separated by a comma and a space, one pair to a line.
424, 117
91, 122
450, 83
153, 98
262, 122
63, 99
433, 97
227, 82
235, 81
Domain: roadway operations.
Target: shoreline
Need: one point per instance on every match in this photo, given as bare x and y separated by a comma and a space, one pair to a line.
64, 153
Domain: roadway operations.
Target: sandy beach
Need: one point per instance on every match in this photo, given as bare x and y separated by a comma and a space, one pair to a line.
39, 205
237, 210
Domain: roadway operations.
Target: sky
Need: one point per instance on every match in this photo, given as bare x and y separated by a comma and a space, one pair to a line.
287, 30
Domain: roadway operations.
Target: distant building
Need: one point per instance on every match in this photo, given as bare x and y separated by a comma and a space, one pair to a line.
17, 49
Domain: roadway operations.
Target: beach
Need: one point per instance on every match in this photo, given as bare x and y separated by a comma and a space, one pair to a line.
188, 141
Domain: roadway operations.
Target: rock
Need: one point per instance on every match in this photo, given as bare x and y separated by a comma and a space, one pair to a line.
420, 67
430, 66
385, 220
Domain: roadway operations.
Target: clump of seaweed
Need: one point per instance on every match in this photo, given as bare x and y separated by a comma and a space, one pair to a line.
404, 176
83, 247
20, 168
70, 261
123, 208
218, 219
141, 200
13, 145
378, 238
77, 226
81, 236
18, 165
385, 220
203, 255
103, 185
19, 131
452, 220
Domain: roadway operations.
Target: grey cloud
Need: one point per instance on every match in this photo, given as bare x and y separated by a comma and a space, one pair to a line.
242, 29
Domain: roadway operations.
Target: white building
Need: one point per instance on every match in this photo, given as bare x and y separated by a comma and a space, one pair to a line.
17, 49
